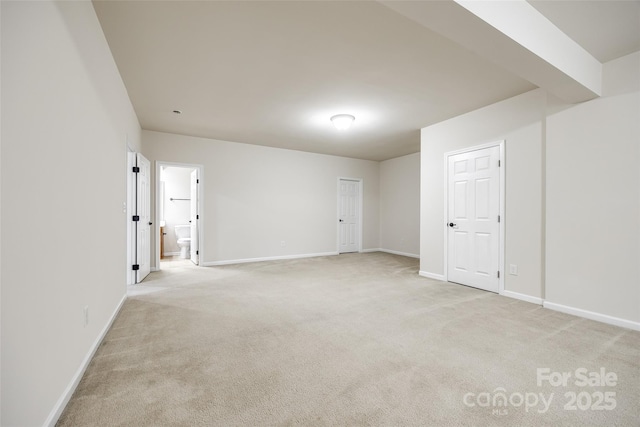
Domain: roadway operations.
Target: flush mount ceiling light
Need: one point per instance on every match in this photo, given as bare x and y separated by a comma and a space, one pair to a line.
342, 121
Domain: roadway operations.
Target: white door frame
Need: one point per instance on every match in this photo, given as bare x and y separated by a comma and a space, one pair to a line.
501, 145
200, 168
194, 221
144, 223
129, 210
360, 203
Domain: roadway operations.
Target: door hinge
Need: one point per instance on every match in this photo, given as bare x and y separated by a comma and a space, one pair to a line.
197, 216
136, 169
197, 181
197, 252
498, 218
498, 274
499, 163
135, 267
135, 218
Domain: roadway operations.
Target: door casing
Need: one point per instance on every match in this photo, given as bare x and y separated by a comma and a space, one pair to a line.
501, 145
129, 209
195, 219
156, 229
143, 210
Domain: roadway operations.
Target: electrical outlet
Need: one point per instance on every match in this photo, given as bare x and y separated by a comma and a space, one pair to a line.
513, 269
85, 312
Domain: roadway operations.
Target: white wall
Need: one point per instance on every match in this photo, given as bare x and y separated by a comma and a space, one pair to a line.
177, 185
65, 119
519, 121
593, 198
400, 205
256, 197
572, 194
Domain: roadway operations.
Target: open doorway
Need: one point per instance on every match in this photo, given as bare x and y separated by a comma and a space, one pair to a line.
179, 231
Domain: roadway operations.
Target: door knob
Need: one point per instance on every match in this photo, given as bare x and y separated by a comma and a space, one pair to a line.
150, 223
452, 225
341, 221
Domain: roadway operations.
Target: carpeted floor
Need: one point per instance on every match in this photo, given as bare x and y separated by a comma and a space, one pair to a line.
349, 340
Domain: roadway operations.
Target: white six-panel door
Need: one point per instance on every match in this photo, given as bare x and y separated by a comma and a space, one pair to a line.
143, 211
348, 215
473, 236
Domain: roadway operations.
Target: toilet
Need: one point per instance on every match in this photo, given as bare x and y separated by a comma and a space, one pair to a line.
183, 234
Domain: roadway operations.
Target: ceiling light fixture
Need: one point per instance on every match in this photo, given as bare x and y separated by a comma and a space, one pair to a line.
342, 121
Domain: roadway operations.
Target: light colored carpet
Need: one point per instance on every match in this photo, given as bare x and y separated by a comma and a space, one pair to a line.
356, 339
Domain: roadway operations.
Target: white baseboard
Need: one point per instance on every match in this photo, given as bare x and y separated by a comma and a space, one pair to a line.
431, 275
616, 321
152, 269
390, 251
407, 254
364, 251
171, 253
284, 257
53, 417
273, 258
522, 297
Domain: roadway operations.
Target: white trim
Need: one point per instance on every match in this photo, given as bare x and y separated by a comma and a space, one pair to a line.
129, 210
501, 145
475, 148
153, 269
55, 413
271, 258
445, 216
156, 221
389, 251
433, 276
522, 297
599, 317
503, 216
407, 254
360, 215
364, 251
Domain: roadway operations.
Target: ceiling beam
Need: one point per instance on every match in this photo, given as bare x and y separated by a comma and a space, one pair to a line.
514, 35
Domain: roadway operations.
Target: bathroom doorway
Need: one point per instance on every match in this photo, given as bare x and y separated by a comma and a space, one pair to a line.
178, 204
